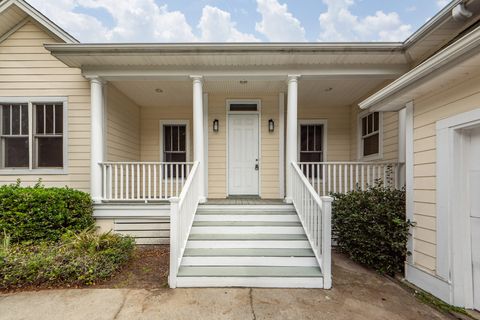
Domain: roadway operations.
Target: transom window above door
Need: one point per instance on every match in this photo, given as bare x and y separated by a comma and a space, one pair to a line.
32, 135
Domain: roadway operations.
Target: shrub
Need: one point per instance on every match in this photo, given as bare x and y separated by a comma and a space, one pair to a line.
78, 259
370, 227
30, 214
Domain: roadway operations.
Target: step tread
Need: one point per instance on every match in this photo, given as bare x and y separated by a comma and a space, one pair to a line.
239, 237
250, 252
239, 271
246, 224
240, 212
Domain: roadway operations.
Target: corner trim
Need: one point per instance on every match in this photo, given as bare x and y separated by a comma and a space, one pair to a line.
428, 282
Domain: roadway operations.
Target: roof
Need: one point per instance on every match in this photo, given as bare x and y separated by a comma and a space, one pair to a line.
455, 60
15, 13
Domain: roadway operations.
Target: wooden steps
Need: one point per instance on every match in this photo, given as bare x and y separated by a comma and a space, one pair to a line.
248, 246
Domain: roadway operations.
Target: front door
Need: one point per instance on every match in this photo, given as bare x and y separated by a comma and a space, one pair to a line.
474, 186
243, 159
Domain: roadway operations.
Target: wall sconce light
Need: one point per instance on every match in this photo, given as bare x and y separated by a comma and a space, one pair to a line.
271, 125
215, 125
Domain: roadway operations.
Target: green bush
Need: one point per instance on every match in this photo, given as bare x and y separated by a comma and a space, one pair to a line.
77, 259
370, 226
31, 214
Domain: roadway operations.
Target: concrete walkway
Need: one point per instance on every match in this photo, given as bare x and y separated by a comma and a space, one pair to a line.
357, 294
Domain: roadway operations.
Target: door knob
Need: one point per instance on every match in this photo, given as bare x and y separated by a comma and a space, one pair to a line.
256, 166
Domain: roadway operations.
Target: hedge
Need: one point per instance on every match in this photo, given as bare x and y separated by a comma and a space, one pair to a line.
31, 214
370, 226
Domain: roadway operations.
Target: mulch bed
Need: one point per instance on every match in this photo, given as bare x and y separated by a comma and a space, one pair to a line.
148, 269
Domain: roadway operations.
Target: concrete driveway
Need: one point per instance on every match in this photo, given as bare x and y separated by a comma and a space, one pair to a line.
357, 294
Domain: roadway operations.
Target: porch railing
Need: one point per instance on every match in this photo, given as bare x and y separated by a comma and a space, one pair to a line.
182, 213
341, 177
315, 213
143, 181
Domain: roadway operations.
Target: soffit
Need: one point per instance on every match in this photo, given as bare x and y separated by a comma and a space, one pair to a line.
310, 92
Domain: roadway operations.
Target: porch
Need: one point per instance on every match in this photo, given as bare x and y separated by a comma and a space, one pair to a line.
249, 146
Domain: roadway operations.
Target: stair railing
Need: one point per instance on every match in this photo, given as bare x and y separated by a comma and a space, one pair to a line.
182, 213
315, 214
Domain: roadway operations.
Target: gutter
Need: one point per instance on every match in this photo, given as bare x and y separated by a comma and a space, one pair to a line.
174, 48
463, 48
437, 20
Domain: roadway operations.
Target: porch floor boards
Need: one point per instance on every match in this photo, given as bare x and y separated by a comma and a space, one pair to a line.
244, 201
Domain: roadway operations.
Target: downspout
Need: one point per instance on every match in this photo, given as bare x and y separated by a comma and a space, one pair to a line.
460, 12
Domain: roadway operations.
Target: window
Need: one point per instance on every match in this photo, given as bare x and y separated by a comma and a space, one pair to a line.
175, 143
311, 145
370, 141
32, 135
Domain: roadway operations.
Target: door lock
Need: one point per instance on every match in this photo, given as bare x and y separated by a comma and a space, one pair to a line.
256, 166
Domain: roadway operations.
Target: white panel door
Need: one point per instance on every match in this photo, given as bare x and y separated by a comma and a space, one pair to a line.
474, 195
243, 157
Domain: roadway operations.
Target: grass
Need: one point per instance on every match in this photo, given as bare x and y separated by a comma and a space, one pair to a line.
439, 304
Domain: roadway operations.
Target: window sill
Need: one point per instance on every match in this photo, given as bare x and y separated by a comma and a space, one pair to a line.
33, 172
372, 157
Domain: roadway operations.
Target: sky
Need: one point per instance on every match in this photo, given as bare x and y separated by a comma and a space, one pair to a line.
239, 20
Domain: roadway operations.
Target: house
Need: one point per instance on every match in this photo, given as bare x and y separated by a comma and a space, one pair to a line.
229, 151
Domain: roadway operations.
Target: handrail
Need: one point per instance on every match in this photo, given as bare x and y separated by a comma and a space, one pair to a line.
132, 181
343, 176
315, 215
182, 213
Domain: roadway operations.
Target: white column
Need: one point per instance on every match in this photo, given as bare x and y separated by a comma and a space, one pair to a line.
198, 137
97, 140
291, 147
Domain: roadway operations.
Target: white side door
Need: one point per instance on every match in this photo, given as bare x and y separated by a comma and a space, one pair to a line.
474, 195
243, 154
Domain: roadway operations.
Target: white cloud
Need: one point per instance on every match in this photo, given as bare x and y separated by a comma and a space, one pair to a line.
277, 23
338, 23
143, 20
140, 21
442, 3
83, 27
217, 26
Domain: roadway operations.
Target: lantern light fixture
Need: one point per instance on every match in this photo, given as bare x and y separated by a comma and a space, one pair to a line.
271, 125
215, 125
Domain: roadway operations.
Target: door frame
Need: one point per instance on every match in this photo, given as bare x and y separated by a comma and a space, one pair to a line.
453, 216
258, 102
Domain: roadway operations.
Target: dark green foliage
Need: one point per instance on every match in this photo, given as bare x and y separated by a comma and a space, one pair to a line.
77, 259
370, 227
31, 214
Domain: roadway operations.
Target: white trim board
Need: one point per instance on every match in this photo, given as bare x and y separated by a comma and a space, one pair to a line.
453, 223
281, 148
428, 282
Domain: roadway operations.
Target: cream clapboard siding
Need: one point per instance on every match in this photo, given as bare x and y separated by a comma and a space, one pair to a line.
217, 146
429, 109
150, 128
338, 128
390, 135
28, 70
123, 127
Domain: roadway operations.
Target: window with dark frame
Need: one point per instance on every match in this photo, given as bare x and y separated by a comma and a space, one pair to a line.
15, 147
370, 138
48, 135
175, 146
311, 146
46, 149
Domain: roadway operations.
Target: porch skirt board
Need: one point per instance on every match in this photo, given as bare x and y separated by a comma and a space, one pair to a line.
144, 231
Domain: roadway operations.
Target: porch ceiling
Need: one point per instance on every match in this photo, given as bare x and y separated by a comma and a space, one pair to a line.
179, 93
